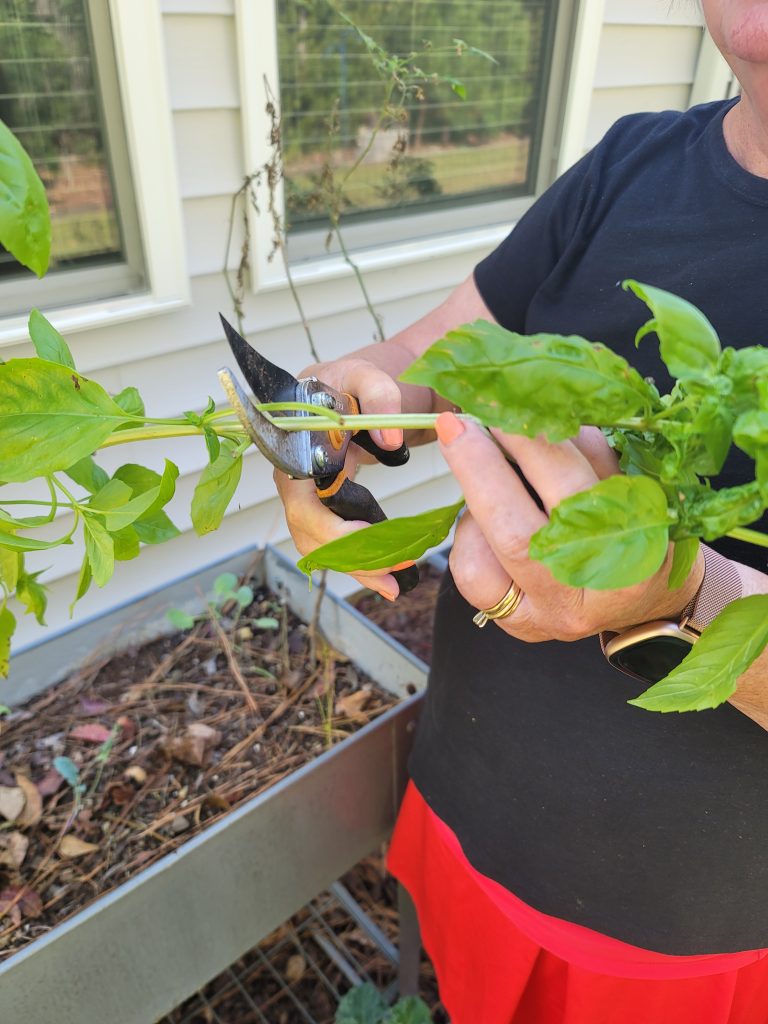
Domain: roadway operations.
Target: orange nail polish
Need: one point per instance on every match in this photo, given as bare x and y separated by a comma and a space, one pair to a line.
402, 565
448, 427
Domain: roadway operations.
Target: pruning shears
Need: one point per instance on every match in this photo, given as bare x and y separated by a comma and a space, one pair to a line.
317, 455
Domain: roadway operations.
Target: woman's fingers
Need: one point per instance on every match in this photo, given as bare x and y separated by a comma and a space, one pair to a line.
555, 471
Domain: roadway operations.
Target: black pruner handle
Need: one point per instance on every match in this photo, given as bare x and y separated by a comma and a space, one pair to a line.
350, 501
398, 457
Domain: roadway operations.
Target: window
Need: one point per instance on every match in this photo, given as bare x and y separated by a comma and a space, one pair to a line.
52, 93
467, 154
448, 149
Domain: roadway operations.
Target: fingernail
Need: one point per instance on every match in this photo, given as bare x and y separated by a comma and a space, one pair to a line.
387, 595
402, 565
448, 427
393, 436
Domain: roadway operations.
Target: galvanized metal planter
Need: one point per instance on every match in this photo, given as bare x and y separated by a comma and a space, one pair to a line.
136, 953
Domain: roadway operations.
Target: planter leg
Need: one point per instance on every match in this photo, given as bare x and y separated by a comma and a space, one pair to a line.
410, 945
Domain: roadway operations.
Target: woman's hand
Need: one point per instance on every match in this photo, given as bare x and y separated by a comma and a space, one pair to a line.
310, 522
491, 545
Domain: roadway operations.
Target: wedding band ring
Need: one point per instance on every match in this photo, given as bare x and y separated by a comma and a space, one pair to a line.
506, 606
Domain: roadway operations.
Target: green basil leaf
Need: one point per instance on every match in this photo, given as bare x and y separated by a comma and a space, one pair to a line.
126, 543
100, 549
711, 514
410, 1010
750, 432
149, 501
613, 535
48, 343
747, 370
10, 567
707, 676
538, 384
384, 544
10, 540
33, 595
7, 629
83, 582
683, 557
50, 418
363, 1004
688, 342
88, 474
25, 223
214, 490
130, 401
212, 443
155, 528
113, 495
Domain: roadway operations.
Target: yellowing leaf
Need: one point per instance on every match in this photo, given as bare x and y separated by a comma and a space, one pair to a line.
71, 848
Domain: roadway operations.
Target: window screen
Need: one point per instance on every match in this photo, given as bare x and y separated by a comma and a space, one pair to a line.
448, 150
49, 99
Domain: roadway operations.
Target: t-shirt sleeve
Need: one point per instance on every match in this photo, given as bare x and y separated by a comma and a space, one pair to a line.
511, 275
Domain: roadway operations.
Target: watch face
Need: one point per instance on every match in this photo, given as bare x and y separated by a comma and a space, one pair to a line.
649, 654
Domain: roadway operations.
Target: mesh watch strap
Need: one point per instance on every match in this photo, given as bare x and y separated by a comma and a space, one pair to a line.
721, 585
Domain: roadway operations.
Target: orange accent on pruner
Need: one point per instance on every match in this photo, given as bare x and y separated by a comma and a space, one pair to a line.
328, 492
336, 438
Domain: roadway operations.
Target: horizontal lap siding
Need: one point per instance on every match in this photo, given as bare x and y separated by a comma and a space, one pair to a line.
173, 358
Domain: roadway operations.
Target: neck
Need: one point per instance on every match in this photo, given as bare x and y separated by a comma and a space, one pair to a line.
746, 132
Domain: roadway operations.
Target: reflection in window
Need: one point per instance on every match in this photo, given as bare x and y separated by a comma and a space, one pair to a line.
49, 99
449, 150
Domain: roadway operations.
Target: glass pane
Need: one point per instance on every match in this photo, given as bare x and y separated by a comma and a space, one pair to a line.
446, 149
48, 98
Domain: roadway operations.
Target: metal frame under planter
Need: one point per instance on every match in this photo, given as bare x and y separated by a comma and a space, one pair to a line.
140, 950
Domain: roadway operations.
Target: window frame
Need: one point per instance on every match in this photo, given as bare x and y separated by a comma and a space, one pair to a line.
148, 148
395, 241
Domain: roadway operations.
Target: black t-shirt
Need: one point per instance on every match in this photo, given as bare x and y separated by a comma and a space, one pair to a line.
647, 827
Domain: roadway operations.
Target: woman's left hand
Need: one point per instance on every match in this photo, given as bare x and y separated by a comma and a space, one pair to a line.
491, 545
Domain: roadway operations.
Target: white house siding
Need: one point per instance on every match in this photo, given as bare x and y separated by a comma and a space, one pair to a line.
646, 59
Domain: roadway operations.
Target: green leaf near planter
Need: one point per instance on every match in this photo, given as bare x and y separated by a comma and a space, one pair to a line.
25, 222
50, 418
215, 488
384, 544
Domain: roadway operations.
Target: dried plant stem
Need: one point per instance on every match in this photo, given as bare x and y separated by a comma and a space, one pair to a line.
233, 665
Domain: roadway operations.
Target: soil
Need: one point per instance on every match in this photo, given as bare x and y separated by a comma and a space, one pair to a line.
165, 740
162, 741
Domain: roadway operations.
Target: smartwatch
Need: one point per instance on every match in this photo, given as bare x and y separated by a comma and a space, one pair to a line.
651, 650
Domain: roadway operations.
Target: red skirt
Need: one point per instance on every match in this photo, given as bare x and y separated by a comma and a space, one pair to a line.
499, 961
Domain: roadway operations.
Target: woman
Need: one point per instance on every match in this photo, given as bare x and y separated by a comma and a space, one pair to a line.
574, 859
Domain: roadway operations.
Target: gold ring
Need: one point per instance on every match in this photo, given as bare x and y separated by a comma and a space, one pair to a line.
506, 606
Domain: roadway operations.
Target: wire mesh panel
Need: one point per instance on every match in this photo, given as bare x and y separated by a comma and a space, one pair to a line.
298, 974
49, 98
414, 140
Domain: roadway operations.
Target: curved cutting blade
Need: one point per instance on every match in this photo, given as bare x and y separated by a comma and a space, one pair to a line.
269, 383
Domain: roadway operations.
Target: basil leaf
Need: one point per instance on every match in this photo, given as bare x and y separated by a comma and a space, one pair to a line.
100, 549
7, 629
711, 514
708, 674
683, 557
88, 474
33, 595
126, 543
155, 528
130, 401
48, 343
83, 582
613, 535
363, 1004
688, 342
25, 223
214, 490
50, 418
747, 370
10, 567
537, 384
212, 443
151, 500
410, 1010
384, 544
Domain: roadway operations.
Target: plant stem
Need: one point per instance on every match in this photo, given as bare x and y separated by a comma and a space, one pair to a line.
171, 430
405, 421
750, 536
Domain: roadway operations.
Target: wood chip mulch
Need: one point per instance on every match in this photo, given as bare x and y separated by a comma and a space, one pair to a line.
159, 743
